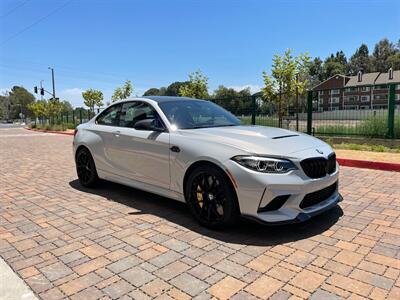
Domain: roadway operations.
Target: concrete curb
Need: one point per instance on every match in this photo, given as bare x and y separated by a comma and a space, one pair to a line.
365, 164
346, 162
50, 131
12, 287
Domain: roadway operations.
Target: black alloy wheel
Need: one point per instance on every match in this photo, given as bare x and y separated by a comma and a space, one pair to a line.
86, 168
211, 197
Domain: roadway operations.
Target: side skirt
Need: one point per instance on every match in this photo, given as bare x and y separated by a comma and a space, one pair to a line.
140, 185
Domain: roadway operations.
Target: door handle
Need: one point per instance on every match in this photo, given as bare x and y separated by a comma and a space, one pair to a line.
175, 149
116, 133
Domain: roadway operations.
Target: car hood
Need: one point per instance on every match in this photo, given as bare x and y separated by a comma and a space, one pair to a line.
257, 139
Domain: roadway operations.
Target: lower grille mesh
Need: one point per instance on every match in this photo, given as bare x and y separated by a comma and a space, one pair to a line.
318, 196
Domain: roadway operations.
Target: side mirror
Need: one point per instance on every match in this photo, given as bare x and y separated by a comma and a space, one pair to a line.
148, 124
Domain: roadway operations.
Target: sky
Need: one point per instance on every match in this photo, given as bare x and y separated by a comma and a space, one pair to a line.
101, 43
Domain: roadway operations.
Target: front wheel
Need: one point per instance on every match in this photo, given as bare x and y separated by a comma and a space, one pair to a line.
211, 197
86, 168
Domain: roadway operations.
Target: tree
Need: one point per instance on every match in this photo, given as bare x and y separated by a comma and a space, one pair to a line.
66, 106
39, 108
123, 92
197, 86
288, 74
152, 92
238, 103
335, 64
382, 51
360, 61
54, 108
92, 98
316, 71
173, 88
393, 61
19, 99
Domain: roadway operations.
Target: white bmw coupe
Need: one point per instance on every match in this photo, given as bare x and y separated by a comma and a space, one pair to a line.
196, 152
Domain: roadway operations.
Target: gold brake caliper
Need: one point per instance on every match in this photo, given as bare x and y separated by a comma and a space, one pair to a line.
200, 196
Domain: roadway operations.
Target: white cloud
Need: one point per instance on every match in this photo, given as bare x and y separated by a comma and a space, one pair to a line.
73, 95
253, 88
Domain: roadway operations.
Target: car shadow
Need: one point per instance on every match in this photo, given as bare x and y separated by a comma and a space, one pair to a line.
246, 232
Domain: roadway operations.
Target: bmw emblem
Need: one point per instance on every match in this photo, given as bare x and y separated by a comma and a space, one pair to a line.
319, 151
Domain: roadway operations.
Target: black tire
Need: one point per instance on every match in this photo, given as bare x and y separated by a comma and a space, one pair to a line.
86, 168
211, 197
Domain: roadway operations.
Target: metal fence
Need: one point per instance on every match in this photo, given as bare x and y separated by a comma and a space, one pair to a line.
334, 114
362, 112
67, 119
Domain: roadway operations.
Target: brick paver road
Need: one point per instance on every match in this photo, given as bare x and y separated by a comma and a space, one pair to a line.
117, 242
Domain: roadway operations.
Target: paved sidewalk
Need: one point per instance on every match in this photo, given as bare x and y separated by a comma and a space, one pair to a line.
115, 242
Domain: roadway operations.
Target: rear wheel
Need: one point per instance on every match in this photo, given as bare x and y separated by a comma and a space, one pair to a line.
211, 197
86, 168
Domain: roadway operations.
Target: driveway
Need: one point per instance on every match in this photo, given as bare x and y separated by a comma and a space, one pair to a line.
113, 242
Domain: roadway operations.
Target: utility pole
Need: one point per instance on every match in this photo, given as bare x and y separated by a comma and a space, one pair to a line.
52, 79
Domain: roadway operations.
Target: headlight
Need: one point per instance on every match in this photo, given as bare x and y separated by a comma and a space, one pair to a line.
265, 164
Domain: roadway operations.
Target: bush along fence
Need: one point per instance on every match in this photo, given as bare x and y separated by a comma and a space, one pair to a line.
374, 113
65, 120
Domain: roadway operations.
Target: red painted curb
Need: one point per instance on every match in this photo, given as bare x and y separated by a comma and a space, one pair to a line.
51, 131
376, 165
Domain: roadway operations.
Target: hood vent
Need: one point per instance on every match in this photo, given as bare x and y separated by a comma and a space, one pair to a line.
284, 136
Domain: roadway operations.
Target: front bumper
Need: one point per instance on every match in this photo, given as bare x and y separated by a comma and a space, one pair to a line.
303, 216
256, 190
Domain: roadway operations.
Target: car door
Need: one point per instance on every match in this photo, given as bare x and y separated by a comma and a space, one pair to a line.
143, 155
104, 147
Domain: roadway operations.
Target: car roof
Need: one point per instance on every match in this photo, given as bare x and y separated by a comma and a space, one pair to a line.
160, 99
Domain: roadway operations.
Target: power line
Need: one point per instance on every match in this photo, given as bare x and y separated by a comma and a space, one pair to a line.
35, 23
14, 9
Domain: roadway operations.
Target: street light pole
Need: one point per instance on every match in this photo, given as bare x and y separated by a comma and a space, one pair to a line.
54, 87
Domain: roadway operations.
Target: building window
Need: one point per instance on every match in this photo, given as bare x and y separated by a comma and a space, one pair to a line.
365, 88
335, 92
364, 107
397, 97
365, 98
350, 89
380, 87
351, 107
320, 101
380, 97
350, 98
397, 86
335, 100
333, 108
381, 106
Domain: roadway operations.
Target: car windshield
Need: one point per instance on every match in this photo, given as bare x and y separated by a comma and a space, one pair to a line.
191, 114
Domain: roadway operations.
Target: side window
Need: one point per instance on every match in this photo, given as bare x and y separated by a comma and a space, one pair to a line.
133, 112
110, 116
